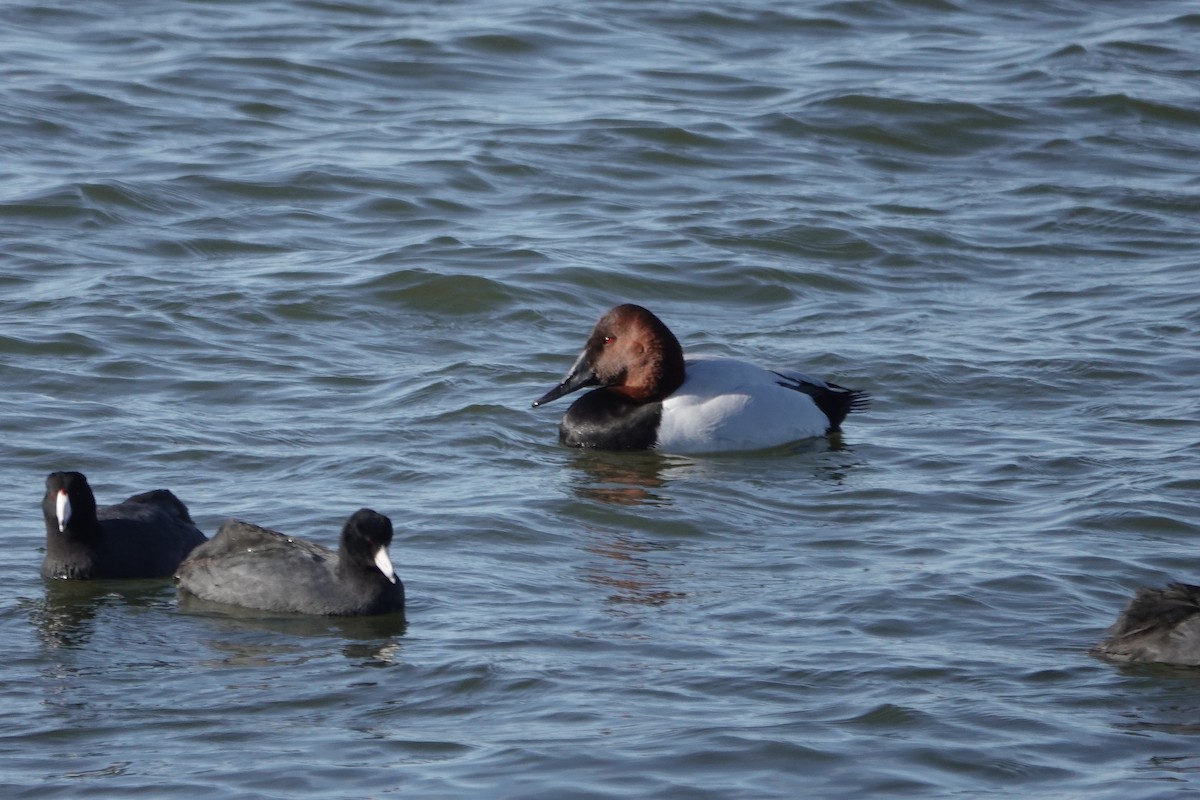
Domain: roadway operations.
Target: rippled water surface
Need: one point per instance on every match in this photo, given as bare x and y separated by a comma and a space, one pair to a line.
293, 258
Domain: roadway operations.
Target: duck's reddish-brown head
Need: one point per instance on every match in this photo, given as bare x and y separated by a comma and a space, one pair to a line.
630, 352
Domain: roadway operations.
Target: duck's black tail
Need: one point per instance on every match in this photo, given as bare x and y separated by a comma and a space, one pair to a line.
836, 402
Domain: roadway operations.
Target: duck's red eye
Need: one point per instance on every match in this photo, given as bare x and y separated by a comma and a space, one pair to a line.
609, 339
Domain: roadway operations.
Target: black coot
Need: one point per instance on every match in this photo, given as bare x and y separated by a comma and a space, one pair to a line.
146, 536
250, 566
1158, 625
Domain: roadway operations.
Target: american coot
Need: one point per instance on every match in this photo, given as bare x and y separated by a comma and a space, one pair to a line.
649, 396
250, 566
146, 536
1158, 625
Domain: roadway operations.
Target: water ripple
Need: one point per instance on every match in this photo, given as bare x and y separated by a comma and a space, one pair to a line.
290, 259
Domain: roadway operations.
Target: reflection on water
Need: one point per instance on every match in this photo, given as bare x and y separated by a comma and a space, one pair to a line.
373, 639
624, 570
629, 565
627, 479
632, 479
65, 618
1178, 764
624, 479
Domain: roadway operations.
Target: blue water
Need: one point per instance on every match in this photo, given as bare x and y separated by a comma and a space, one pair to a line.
291, 259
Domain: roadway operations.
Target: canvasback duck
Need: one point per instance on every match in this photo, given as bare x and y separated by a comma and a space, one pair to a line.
1158, 625
254, 567
145, 536
650, 396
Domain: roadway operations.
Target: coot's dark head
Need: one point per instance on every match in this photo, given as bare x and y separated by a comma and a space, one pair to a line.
69, 505
365, 539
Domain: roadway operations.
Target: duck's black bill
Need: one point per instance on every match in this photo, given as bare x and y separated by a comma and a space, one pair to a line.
579, 377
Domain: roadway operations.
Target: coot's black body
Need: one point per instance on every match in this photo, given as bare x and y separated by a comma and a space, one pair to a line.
145, 536
254, 567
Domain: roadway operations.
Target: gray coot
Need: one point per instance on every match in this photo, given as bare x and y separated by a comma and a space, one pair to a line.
1158, 625
247, 565
146, 536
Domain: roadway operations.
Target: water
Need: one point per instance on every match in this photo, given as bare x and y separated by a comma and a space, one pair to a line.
290, 259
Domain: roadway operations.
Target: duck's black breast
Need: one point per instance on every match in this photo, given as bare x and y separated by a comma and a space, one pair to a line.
607, 420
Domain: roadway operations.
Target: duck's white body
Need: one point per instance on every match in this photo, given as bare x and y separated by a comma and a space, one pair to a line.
726, 404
